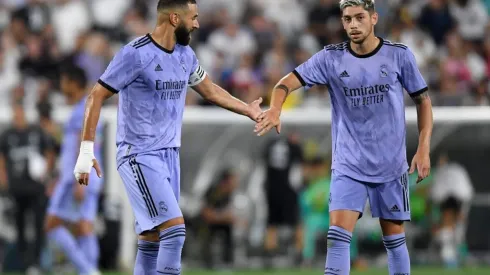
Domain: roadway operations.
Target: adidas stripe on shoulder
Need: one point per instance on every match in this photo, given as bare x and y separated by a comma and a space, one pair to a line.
141, 42
393, 44
197, 76
336, 47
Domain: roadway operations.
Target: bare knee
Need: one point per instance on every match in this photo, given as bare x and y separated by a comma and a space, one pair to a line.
345, 219
85, 228
391, 227
149, 236
52, 222
154, 235
170, 223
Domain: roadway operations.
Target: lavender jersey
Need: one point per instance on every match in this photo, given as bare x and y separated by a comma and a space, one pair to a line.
152, 84
71, 142
368, 114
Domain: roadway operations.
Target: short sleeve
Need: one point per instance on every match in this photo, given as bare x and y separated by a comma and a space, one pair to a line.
123, 70
411, 78
314, 70
198, 74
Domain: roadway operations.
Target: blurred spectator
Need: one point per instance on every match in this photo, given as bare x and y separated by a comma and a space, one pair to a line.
35, 15
254, 41
26, 160
436, 19
325, 23
70, 19
9, 73
452, 192
281, 156
471, 19
218, 218
233, 40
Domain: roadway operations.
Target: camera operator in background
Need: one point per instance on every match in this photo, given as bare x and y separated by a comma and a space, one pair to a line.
218, 218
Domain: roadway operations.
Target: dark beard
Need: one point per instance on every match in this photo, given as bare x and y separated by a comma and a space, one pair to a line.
182, 35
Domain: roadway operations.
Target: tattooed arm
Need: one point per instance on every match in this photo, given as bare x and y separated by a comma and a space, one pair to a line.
424, 119
282, 89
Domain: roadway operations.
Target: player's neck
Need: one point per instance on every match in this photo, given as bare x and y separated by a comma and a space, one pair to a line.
164, 36
370, 45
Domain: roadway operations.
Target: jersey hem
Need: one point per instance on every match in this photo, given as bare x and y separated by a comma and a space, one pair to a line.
342, 169
121, 157
107, 86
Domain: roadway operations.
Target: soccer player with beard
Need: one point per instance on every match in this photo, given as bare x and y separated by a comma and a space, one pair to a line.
151, 75
366, 77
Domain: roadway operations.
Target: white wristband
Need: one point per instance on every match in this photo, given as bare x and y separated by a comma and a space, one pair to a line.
87, 148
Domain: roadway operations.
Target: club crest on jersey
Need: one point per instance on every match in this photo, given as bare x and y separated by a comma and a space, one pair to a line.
163, 207
384, 71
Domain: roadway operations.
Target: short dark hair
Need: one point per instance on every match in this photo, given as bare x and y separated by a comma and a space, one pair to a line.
75, 73
167, 4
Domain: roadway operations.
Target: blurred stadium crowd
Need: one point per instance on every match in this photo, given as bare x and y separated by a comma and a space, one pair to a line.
245, 45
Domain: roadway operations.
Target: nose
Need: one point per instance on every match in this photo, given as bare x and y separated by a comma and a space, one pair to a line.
196, 24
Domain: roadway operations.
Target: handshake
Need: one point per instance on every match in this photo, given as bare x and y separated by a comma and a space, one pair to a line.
265, 120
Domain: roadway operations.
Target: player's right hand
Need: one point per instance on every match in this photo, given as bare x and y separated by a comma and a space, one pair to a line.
86, 160
268, 120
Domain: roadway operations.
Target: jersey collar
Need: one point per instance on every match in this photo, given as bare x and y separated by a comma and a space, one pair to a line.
159, 46
381, 41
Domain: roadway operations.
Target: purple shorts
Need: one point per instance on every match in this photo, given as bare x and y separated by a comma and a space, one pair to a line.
389, 201
152, 182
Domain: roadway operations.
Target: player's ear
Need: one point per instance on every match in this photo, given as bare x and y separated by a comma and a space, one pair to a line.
174, 18
374, 18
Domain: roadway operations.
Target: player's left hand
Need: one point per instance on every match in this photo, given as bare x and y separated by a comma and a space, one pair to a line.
421, 162
254, 109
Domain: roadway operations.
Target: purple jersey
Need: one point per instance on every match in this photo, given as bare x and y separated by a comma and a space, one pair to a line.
71, 144
152, 84
368, 112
